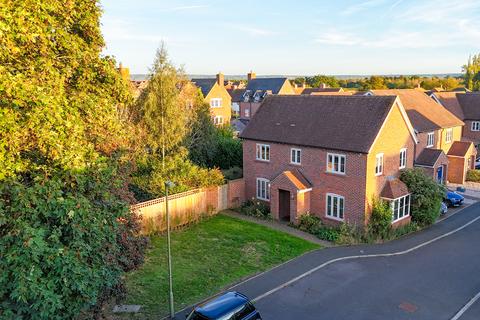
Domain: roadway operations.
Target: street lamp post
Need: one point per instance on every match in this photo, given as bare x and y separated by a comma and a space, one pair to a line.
168, 185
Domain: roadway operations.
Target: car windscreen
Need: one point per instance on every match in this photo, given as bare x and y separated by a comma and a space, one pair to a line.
196, 316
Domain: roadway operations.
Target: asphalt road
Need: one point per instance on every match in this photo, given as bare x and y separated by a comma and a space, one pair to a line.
432, 282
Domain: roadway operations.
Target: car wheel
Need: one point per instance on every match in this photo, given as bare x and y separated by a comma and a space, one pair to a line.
448, 203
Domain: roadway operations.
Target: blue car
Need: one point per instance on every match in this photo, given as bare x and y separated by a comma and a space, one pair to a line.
228, 306
453, 199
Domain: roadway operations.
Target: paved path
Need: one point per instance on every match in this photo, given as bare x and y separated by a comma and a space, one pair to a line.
281, 226
434, 280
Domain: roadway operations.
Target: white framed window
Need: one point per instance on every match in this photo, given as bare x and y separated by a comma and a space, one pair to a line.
216, 102
379, 164
218, 120
295, 156
263, 152
449, 135
263, 189
247, 113
336, 163
430, 139
403, 158
400, 208
335, 206
475, 125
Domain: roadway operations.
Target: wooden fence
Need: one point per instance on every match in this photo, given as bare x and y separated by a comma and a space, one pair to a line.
190, 206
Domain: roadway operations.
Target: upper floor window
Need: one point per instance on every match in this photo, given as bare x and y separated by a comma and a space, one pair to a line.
296, 156
263, 189
335, 206
475, 125
218, 120
379, 164
216, 102
430, 139
449, 135
336, 163
403, 158
263, 152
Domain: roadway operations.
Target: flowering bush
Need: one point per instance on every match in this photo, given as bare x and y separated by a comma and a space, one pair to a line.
255, 208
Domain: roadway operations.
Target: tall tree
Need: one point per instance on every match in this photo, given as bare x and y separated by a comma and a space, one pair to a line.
164, 112
317, 80
59, 180
472, 73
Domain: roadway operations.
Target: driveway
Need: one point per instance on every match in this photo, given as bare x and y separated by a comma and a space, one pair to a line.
431, 275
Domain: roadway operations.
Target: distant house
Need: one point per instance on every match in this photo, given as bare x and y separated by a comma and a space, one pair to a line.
236, 96
329, 156
215, 94
257, 89
322, 89
437, 129
466, 106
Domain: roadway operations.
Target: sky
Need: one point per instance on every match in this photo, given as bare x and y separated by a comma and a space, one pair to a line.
302, 37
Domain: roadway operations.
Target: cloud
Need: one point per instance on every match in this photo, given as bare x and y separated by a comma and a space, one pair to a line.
338, 38
253, 31
361, 6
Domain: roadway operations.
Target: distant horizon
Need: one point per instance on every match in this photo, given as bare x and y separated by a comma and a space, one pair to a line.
142, 76
358, 37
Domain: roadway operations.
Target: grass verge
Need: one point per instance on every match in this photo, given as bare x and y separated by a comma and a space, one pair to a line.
207, 257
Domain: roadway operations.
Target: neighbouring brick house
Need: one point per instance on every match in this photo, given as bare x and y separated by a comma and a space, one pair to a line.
466, 106
436, 128
257, 89
329, 155
215, 94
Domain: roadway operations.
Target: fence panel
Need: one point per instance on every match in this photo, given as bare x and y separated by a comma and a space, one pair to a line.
190, 206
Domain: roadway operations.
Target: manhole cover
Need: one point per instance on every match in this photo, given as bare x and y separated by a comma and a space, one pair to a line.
126, 308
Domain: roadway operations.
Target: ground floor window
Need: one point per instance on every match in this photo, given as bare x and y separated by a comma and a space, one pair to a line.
400, 207
335, 206
263, 189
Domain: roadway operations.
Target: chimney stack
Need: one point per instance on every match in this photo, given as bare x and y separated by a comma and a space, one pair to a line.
220, 79
323, 86
251, 75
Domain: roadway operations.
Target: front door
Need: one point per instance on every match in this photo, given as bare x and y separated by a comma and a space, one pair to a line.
284, 205
440, 174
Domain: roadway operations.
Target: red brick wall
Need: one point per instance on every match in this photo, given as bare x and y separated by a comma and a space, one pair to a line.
351, 186
236, 193
252, 106
474, 136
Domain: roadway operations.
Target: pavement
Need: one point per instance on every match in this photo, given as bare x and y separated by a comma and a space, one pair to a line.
431, 274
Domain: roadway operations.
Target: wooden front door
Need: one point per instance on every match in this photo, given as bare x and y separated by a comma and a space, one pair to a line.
284, 205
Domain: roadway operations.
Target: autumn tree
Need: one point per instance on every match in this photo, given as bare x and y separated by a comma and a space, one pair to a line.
61, 181
472, 73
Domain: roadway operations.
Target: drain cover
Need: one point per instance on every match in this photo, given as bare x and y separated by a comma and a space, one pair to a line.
126, 308
408, 307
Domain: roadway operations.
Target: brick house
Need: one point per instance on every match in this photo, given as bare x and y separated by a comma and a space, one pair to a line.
466, 106
329, 155
215, 94
257, 89
436, 128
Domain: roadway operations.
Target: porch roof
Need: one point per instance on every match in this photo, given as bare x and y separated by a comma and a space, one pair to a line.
394, 189
296, 178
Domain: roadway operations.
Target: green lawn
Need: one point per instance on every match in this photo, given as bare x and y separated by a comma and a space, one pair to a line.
206, 258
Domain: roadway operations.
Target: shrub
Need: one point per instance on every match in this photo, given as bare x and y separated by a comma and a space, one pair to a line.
313, 224
328, 234
350, 234
233, 173
473, 175
66, 240
404, 230
309, 223
255, 208
380, 222
426, 194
